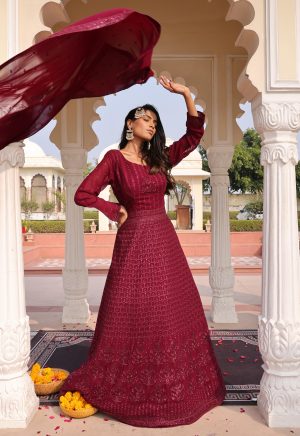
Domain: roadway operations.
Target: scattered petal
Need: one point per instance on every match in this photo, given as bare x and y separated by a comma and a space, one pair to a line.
51, 417
106, 419
242, 357
230, 359
242, 410
225, 373
255, 360
67, 420
235, 350
57, 427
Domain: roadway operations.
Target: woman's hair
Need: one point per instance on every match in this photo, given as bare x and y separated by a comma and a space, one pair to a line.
156, 157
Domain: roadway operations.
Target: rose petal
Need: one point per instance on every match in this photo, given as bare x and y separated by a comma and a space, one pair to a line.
67, 420
242, 357
235, 350
230, 359
242, 410
51, 417
57, 427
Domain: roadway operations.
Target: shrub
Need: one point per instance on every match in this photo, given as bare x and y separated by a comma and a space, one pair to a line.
90, 214
52, 226
254, 208
233, 214
246, 225
206, 216
172, 214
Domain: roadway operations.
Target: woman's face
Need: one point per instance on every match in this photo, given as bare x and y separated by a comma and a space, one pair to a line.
145, 126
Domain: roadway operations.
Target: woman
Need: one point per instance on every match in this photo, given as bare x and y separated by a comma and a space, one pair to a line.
151, 362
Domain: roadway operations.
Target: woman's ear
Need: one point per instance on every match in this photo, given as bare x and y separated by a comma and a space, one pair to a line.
129, 124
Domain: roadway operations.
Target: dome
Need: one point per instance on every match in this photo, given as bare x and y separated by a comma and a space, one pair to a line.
35, 157
32, 149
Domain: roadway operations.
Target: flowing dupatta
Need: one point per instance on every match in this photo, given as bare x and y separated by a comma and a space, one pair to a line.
99, 55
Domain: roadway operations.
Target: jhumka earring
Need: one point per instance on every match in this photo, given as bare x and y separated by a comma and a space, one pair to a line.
129, 134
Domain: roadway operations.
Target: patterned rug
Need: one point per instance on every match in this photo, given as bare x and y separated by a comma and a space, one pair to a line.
236, 351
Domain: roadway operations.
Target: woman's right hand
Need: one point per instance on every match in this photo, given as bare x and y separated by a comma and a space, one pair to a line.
123, 217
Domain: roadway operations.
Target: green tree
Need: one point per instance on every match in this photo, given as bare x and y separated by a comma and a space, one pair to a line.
246, 173
48, 207
89, 167
28, 207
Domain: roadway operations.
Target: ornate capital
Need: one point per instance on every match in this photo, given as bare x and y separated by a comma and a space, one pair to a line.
219, 181
73, 158
219, 159
279, 344
13, 154
280, 151
73, 178
276, 116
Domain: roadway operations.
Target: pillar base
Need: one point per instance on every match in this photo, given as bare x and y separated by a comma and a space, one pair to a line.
18, 402
76, 311
223, 310
279, 399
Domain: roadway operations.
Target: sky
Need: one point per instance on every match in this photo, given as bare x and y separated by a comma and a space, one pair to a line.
171, 108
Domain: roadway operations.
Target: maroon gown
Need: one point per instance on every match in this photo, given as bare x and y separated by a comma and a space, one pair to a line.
151, 361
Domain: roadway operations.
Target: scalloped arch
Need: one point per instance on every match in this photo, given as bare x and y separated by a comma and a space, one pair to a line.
244, 12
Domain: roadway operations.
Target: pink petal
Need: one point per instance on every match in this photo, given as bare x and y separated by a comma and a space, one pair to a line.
225, 373
242, 357
242, 410
51, 417
235, 350
67, 420
106, 419
230, 359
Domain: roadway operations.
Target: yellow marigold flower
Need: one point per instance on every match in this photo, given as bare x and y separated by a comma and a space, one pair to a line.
68, 395
76, 395
88, 406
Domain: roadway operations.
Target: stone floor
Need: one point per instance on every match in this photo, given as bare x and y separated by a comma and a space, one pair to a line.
95, 262
44, 299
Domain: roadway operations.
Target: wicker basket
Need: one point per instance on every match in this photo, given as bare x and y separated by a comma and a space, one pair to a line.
80, 413
52, 387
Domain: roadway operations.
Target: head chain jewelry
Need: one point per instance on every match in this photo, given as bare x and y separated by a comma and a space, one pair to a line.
140, 112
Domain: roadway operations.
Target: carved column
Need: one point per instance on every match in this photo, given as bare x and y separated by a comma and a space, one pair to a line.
221, 275
279, 322
75, 273
18, 401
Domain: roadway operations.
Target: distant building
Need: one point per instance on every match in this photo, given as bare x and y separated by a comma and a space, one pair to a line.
40, 178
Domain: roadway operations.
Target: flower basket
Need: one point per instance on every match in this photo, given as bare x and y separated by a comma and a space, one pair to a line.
74, 404
50, 387
79, 413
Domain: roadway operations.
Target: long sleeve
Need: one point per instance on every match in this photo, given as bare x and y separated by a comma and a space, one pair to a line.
88, 191
189, 141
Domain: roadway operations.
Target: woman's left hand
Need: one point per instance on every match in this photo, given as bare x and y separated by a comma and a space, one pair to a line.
171, 86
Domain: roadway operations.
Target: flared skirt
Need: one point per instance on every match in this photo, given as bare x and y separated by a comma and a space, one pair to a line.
151, 361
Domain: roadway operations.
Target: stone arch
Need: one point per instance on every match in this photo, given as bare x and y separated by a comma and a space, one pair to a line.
244, 12
59, 191
39, 190
22, 189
